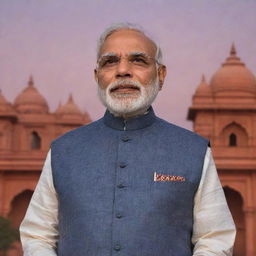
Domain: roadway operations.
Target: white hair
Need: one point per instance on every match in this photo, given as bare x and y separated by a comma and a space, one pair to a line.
125, 25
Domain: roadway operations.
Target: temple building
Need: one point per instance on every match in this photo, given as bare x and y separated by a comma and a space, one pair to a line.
224, 111
26, 131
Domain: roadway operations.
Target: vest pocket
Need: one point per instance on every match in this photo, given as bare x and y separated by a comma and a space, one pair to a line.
172, 197
171, 186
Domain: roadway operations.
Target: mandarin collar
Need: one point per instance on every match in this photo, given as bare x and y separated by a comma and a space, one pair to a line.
135, 123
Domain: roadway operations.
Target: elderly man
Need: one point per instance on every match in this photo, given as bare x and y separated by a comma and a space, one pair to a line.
130, 183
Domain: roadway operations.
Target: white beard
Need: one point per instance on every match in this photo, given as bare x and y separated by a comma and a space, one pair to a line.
126, 104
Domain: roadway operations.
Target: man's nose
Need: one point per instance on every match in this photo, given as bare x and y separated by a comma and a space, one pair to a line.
123, 69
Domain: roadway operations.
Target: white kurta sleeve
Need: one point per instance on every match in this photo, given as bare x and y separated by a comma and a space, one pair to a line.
213, 230
39, 229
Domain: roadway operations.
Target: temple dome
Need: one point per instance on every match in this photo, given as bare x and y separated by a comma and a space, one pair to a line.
30, 100
70, 108
203, 88
5, 106
233, 75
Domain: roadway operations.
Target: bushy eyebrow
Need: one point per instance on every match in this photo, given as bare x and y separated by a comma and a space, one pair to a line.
113, 54
132, 54
143, 54
108, 54
105, 55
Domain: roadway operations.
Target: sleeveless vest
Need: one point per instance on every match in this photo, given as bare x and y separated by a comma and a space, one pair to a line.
127, 187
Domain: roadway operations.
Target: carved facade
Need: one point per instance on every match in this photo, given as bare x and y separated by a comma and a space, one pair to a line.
26, 131
224, 111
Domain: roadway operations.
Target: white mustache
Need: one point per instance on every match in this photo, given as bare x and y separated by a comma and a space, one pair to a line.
116, 84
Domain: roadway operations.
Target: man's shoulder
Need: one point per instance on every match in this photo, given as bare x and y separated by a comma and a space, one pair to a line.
79, 133
178, 131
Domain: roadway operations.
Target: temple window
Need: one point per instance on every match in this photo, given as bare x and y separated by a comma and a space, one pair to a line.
35, 141
234, 135
232, 140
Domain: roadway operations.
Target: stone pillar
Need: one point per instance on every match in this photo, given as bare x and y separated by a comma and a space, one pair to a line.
249, 229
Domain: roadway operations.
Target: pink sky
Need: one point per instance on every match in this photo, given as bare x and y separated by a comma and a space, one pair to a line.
55, 41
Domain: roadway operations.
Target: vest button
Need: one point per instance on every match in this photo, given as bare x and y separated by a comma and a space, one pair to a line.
120, 185
122, 165
125, 139
119, 215
117, 247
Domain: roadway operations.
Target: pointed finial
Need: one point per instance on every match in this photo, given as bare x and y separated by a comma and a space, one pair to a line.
203, 78
233, 50
70, 98
59, 107
31, 81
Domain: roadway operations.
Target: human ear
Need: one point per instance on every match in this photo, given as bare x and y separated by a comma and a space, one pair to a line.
96, 75
161, 74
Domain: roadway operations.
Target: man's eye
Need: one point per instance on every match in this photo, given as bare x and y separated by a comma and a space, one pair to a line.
108, 62
139, 60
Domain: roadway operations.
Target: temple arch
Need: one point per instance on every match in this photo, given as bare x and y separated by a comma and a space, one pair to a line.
19, 206
236, 204
35, 140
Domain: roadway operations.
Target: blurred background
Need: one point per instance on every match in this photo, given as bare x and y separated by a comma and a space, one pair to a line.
47, 57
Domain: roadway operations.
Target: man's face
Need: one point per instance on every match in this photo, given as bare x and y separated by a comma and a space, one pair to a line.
127, 74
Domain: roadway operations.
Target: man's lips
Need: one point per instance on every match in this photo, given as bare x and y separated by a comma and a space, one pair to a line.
125, 88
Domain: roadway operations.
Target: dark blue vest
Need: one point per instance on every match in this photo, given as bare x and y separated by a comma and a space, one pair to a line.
109, 203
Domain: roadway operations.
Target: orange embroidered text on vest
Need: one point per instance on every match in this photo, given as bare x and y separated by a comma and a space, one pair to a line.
165, 177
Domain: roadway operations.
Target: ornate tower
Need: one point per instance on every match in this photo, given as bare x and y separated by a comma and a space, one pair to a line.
225, 112
27, 128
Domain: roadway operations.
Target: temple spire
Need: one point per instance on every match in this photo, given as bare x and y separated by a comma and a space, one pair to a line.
70, 98
203, 79
233, 50
31, 81
233, 59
